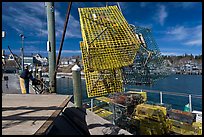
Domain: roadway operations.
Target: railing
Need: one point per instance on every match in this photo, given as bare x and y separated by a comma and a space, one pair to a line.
190, 96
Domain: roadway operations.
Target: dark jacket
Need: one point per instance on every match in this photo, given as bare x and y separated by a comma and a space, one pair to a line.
26, 75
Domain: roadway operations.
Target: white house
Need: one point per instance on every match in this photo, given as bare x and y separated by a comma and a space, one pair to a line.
43, 60
11, 57
64, 62
38, 57
188, 67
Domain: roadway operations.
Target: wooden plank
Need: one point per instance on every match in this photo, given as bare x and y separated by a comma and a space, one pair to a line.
96, 124
29, 114
44, 128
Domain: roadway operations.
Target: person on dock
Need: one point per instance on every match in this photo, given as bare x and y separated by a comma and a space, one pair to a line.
24, 80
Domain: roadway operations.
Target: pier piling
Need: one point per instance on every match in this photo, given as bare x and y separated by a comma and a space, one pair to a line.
161, 98
190, 104
77, 88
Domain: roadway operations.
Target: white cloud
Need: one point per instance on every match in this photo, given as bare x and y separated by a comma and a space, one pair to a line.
179, 32
32, 50
28, 52
146, 25
185, 5
73, 28
194, 42
196, 37
31, 18
176, 51
170, 53
24, 16
59, 23
69, 51
161, 14
35, 7
191, 36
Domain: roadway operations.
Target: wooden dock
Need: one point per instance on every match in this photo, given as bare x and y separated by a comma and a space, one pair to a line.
30, 114
53, 114
50, 114
87, 122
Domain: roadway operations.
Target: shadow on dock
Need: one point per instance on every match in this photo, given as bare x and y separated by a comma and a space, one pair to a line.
19, 118
72, 121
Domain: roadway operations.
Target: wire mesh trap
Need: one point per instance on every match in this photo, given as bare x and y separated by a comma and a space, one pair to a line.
110, 43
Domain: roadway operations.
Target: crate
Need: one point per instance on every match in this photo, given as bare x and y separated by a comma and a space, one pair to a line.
143, 94
108, 38
183, 128
182, 116
149, 127
156, 113
99, 83
198, 115
198, 127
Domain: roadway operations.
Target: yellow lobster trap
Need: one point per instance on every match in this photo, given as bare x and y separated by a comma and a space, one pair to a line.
109, 41
103, 82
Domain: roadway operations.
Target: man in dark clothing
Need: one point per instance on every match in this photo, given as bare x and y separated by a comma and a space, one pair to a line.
24, 80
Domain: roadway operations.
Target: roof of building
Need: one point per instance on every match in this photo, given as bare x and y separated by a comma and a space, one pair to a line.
13, 55
10, 63
37, 55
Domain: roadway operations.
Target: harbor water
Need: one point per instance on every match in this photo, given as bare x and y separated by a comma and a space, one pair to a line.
188, 84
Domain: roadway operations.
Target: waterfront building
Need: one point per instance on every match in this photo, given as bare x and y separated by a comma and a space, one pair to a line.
28, 60
10, 66
43, 60
11, 57
64, 62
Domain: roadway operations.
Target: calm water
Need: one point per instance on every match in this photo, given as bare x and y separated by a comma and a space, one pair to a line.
190, 84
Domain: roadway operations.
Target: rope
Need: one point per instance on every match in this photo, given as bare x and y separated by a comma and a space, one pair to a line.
119, 6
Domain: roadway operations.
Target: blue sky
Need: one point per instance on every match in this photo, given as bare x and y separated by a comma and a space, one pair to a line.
176, 26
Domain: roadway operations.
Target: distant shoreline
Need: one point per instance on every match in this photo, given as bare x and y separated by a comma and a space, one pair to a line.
63, 75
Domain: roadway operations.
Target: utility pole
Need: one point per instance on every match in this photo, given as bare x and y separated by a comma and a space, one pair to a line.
22, 52
51, 45
3, 52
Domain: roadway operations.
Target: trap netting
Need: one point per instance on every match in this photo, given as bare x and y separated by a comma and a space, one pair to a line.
148, 65
110, 43
103, 82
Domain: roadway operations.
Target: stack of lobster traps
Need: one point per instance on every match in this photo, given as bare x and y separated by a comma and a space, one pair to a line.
108, 45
